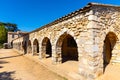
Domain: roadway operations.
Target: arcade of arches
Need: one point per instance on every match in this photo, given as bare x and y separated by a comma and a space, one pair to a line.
89, 37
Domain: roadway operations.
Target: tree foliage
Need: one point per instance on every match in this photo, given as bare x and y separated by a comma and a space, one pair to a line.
10, 26
3, 34
4, 28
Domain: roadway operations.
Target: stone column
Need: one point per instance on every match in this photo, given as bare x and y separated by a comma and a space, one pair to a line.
54, 55
43, 51
91, 58
32, 49
40, 52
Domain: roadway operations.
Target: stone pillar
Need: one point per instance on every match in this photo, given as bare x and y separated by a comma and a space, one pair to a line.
54, 55
32, 49
43, 51
40, 52
91, 57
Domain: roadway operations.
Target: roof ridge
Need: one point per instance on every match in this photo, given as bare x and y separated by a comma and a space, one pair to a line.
102, 4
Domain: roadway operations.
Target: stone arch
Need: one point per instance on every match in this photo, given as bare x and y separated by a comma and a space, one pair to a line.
66, 48
109, 43
46, 48
29, 47
35, 46
24, 45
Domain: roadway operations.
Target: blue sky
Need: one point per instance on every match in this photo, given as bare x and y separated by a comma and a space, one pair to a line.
32, 14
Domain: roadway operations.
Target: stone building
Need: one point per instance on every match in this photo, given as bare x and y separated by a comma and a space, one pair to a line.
14, 35
90, 36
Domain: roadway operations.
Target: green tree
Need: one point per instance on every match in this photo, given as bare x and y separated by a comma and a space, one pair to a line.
10, 26
3, 34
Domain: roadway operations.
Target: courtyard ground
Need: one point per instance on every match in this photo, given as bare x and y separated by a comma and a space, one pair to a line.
112, 72
14, 66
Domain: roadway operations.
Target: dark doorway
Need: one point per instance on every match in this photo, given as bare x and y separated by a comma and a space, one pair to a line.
67, 46
29, 48
25, 47
109, 44
35, 47
46, 47
11, 44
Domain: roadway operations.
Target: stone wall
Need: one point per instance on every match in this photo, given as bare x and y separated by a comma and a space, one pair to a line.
105, 20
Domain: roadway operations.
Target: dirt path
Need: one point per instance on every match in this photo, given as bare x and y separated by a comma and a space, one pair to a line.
112, 72
14, 66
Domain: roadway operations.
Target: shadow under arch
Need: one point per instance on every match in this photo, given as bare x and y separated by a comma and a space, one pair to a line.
66, 48
24, 46
46, 47
11, 44
35, 47
29, 47
109, 43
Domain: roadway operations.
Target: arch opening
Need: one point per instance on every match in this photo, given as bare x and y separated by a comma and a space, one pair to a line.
67, 48
46, 47
24, 47
29, 48
109, 43
35, 47
11, 44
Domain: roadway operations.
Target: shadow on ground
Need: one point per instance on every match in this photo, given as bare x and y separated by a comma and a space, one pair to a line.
6, 75
3, 62
1, 66
11, 56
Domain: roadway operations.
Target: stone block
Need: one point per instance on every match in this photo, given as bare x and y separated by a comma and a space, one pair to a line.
92, 18
93, 55
118, 47
93, 24
89, 42
92, 64
97, 40
91, 48
89, 13
115, 51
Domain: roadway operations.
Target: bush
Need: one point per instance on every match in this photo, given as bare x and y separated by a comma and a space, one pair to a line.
1, 45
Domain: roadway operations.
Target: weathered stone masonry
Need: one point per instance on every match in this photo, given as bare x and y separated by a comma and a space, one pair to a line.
90, 35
